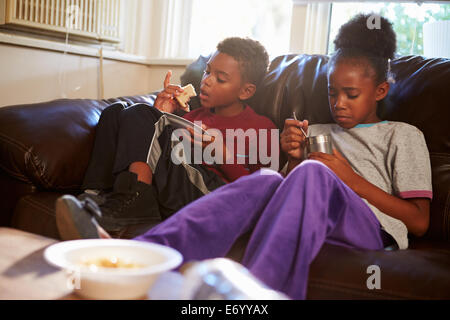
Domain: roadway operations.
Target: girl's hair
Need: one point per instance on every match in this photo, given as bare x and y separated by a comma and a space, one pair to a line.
367, 39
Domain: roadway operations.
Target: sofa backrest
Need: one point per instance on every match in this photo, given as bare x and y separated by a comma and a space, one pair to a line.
48, 144
418, 97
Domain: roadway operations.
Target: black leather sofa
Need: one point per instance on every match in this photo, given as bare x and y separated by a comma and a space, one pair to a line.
45, 149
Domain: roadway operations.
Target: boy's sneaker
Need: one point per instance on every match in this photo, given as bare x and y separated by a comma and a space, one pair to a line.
131, 202
77, 219
97, 195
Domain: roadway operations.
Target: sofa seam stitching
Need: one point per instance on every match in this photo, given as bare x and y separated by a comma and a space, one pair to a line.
39, 205
21, 147
20, 177
333, 284
340, 288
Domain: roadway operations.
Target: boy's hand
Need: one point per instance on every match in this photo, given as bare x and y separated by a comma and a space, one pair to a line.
292, 139
165, 100
203, 140
339, 165
199, 138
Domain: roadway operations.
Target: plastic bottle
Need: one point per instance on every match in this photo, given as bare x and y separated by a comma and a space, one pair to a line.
214, 279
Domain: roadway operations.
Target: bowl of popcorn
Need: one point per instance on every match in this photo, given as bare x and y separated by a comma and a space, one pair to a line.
112, 268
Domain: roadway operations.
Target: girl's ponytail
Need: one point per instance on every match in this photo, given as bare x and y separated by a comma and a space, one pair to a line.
376, 43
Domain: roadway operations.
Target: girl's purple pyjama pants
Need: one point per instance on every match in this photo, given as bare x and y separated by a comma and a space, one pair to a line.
291, 218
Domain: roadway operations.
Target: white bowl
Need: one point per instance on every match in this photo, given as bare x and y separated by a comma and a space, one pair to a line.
112, 283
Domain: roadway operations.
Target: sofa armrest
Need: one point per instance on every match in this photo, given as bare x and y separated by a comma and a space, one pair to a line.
48, 144
11, 191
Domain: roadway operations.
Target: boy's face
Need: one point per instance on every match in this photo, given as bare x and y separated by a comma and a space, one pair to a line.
222, 85
353, 94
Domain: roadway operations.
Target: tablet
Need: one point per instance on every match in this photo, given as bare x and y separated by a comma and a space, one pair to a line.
183, 123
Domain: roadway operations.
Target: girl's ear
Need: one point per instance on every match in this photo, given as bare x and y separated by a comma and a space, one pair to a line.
247, 91
382, 90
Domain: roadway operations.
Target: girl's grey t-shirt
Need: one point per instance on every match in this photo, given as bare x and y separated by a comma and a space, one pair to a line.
391, 155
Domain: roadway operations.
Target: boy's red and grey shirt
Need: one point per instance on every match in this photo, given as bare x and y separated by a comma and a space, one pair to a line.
247, 119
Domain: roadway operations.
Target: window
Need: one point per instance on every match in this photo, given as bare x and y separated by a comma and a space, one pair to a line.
267, 21
97, 28
92, 19
408, 20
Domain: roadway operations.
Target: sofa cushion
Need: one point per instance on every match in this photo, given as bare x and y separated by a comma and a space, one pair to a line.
416, 273
35, 213
341, 273
11, 191
419, 97
295, 83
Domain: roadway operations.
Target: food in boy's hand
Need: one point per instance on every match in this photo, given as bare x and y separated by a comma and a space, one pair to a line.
184, 97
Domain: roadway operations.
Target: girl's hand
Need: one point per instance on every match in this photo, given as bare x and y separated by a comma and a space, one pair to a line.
339, 165
165, 100
292, 138
293, 141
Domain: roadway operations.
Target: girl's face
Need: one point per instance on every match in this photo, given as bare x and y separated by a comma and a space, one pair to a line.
353, 94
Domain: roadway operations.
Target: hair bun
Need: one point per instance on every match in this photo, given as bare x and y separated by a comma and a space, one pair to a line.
370, 33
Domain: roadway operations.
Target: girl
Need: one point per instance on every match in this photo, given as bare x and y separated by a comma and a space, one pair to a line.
373, 190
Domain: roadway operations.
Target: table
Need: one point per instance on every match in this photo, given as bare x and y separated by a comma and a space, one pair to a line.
24, 273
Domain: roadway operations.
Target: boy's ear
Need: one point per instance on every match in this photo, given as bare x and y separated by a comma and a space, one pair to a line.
382, 90
247, 91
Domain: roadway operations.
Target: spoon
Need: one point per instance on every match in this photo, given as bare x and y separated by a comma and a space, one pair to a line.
295, 118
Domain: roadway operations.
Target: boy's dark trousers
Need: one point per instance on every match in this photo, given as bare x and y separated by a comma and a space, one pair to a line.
124, 135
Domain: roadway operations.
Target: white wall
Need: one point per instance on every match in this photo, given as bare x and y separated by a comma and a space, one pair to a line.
29, 75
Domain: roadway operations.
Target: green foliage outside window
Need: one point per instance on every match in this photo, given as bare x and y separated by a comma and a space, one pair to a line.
408, 21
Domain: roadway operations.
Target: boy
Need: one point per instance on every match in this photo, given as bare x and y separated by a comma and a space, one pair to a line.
134, 147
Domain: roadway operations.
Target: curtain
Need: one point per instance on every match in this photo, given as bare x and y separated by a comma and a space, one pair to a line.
175, 31
313, 19
156, 29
